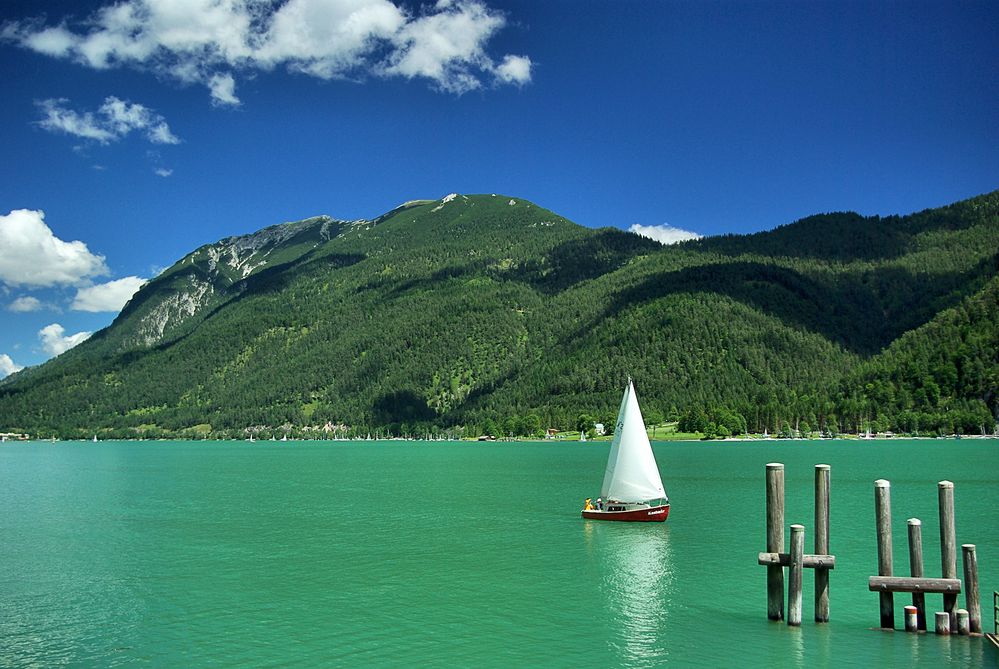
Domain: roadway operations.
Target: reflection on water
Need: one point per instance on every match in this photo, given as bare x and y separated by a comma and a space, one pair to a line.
637, 580
797, 647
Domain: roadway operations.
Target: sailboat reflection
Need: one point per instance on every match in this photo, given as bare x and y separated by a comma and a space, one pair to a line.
637, 580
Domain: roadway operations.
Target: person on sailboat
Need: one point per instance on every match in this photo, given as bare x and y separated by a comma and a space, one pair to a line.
600, 504
589, 504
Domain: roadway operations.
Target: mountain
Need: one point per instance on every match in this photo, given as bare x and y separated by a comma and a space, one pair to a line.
942, 374
492, 313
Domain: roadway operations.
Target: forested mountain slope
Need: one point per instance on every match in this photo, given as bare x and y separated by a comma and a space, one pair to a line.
492, 313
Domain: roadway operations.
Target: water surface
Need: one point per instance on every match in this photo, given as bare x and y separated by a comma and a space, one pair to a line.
456, 554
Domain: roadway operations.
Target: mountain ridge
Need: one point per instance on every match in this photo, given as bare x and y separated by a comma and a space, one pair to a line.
474, 308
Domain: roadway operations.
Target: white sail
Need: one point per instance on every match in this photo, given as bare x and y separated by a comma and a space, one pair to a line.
632, 474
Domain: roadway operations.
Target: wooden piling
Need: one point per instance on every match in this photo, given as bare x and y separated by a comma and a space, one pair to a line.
971, 595
942, 622
916, 568
775, 539
882, 512
948, 545
963, 625
911, 619
822, 481
794, 575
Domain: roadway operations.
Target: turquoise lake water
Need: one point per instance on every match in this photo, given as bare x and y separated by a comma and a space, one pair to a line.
192, 554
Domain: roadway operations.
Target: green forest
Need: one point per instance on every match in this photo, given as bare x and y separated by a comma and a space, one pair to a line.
488, 314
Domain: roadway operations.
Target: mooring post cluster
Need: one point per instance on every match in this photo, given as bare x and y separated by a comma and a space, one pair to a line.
951, 619
796, 560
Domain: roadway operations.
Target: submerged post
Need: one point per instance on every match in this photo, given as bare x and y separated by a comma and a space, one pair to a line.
822, 476
911, 619
916, 569
942, 625
971, 596
775, 539
963, 625
882, 512
794, 574
948, 545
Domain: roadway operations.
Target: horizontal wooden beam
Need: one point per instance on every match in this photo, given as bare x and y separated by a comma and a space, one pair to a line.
950, 586
809, 561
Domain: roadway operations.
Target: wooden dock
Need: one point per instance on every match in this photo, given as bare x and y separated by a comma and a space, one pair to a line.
993, 636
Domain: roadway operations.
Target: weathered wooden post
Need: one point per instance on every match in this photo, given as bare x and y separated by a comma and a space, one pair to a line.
942, 625
797, 560
822, 480
948, 545
916, 569
775, 539
794, 574
882, 512
971, 596
963, 626
911, 619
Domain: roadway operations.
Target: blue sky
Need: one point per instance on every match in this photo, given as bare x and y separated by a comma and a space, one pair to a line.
146, 128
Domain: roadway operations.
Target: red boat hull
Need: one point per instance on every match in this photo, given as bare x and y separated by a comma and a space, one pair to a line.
653, 514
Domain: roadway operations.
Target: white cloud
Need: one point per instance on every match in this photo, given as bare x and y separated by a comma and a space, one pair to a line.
327, 38
514, 70
110, 296
223, 90
162, 172
8, 366
30, 255
57, 119
113, 120
447, 47
205, 41
55, 41
25, 304
54, 342
664, 234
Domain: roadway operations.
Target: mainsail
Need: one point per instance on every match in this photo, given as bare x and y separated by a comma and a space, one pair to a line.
632, 474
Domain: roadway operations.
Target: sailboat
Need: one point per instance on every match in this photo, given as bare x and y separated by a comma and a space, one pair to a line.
632, 489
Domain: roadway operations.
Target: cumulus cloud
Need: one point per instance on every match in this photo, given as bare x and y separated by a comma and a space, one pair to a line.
514, 70
25, 304
205, 41
110, 296
55, 341
162, 172
113, 120
664, 234
446, 47
223, 90
8, 366
30, 255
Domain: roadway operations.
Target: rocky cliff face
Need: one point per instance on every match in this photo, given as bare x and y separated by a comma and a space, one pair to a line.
215, 273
